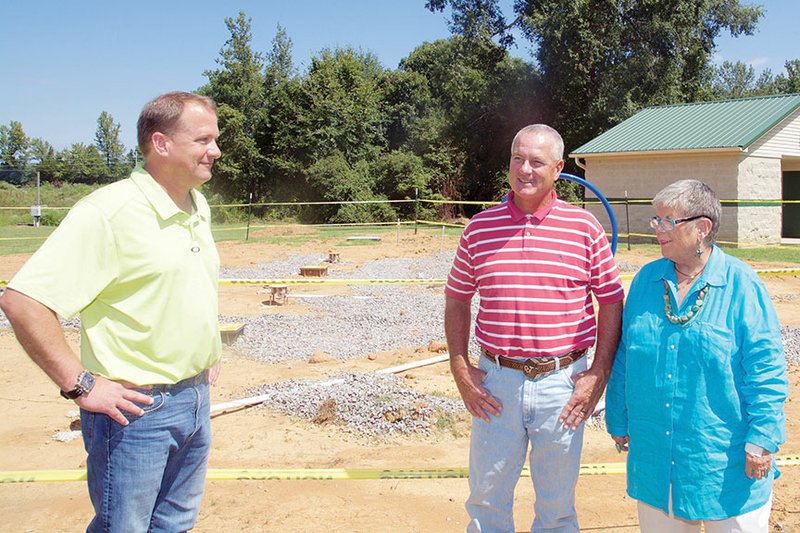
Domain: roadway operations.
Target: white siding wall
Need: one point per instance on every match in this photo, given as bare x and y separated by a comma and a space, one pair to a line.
781, 141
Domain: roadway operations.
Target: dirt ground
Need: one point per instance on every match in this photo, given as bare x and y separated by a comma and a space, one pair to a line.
32, 414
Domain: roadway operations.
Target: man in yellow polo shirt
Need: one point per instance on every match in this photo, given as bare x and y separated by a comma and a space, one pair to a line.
137, 260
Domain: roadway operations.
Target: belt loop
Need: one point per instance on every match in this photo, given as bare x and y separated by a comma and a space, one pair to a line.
496, 359
558, 364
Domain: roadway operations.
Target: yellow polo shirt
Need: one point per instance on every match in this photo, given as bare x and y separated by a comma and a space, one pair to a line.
142, 274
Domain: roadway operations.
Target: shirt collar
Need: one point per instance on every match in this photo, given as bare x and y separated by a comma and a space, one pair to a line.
157, 196
713, 274
517, 215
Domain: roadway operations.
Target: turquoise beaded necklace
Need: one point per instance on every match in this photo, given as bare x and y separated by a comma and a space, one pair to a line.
691, 313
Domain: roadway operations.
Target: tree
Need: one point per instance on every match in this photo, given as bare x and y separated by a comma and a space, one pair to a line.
340, 106
602, 61
44, 159
339, 121
81, 163
13, 146
238, 88
790, 83
279, 68
106, 139
480, 98
277, 131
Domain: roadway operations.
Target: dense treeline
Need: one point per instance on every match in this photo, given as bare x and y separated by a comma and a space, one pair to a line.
103, 161
439, 124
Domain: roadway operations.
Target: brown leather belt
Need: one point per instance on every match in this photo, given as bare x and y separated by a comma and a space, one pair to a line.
536, 366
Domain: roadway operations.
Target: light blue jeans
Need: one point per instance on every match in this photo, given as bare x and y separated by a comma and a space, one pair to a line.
149, 476
498, 447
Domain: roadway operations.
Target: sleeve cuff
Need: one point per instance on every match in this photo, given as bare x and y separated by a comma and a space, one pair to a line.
752, 449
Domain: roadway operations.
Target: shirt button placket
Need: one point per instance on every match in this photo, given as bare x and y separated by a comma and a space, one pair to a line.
669, 411
526, 237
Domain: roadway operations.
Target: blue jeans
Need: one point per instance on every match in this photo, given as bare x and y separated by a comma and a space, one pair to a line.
149, 476
498, 447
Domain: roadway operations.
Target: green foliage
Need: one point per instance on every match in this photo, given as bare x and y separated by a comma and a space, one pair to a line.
98, 163
480, 98
238, 88
739, 80
339, 111
52, 217
23, 197
13, 146
111, 149
81, 164
440, 125
603, 61
336, 180
44, 159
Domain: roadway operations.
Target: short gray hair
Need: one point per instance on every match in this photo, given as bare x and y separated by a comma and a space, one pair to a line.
558, 142
692, 198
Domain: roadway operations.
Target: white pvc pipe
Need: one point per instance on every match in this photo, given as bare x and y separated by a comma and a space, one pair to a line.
253, 400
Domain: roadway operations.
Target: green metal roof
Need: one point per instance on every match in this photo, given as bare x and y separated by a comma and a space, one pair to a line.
705, 125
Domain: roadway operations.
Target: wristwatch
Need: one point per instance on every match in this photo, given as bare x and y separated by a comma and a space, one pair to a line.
83, 386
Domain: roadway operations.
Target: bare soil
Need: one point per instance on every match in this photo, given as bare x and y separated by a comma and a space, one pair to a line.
32, 414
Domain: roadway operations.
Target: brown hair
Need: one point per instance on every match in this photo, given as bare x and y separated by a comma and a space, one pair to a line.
162, 114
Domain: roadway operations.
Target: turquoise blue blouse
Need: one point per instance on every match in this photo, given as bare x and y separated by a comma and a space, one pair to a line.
690, 396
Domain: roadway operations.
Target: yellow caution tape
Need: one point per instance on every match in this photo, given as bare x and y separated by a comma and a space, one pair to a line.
414, 281
320, 474
324, 281
23, 238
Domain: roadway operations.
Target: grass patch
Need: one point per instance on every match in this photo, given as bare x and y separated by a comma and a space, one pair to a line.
458, 425
782, 254
776, 254
22, 239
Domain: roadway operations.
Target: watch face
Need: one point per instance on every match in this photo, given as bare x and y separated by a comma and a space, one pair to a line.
86, 381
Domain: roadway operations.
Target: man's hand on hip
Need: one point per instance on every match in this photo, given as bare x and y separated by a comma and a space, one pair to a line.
111, 398
477, 399
589, 386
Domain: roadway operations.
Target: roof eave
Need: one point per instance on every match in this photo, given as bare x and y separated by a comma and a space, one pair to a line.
682, 151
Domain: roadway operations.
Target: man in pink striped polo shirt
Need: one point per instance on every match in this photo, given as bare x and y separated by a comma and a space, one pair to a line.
536, 261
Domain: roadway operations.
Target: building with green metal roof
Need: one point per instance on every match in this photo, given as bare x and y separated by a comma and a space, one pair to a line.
747, 150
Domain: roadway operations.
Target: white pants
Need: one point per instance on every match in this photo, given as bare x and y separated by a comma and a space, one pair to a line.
654, 520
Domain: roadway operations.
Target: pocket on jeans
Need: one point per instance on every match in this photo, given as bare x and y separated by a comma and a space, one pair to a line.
159, 399
488, 367
574, 369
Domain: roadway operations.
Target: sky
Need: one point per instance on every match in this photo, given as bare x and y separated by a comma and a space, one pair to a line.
64, 62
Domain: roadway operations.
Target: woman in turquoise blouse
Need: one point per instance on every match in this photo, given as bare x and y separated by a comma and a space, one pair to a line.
697, 389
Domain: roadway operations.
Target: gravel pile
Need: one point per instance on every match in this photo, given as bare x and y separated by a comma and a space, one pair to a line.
366, 403
791, 344
274, 270
625, 266
374, 319
429, 267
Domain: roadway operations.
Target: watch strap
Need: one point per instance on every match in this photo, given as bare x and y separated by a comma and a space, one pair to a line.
83, 385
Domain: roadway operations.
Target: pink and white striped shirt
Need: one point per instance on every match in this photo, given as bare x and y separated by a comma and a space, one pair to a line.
535, 275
